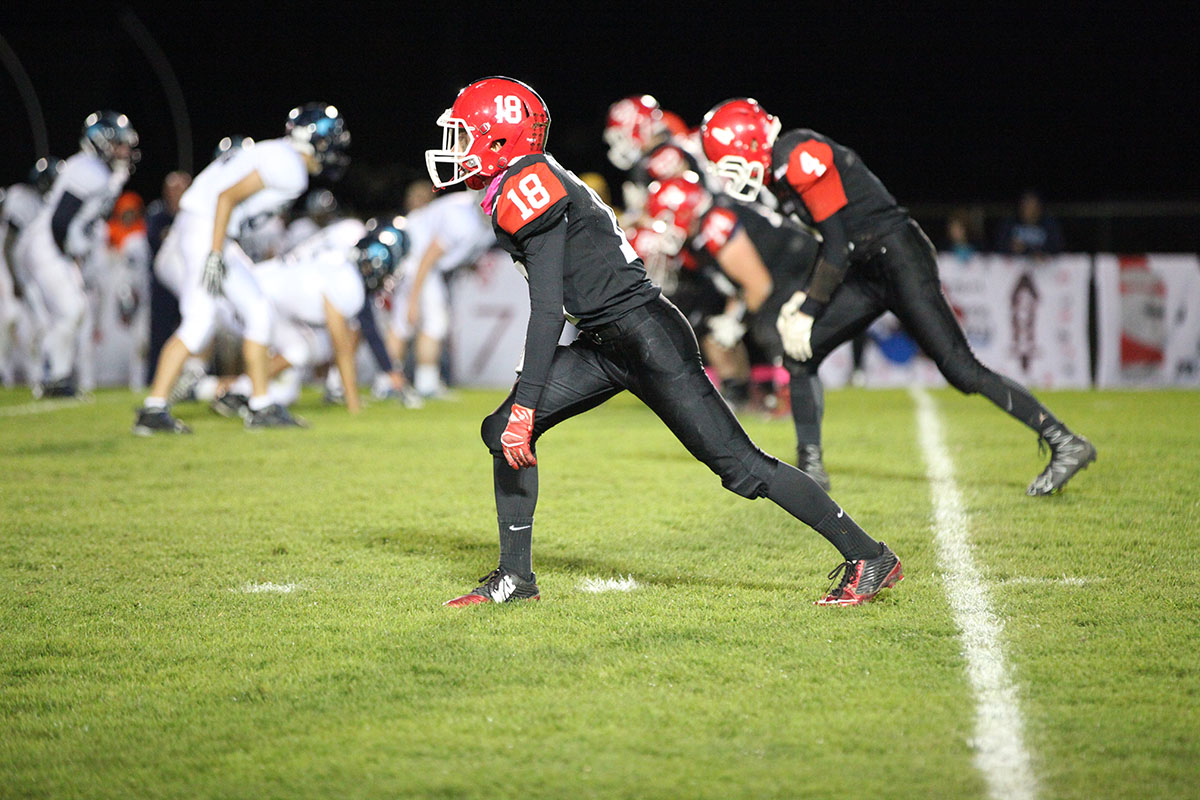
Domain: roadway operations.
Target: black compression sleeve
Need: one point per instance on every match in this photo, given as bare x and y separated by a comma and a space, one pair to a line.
68, 207
833, 261
544, 254
366, 323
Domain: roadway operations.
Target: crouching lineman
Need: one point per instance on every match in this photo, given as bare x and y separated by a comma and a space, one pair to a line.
65, 233
200, 262
577, 260
874, 258
318, 291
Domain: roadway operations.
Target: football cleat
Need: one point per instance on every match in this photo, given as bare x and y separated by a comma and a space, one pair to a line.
273, 416
861, 580
231, 405
1069, 453
812, 465
157, 420
499, 586
63, 387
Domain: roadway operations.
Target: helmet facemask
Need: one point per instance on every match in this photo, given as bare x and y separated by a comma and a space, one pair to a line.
457, 142
740, 178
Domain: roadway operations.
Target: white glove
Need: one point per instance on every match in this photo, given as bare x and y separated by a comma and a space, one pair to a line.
214, 273
795, 328
726, 329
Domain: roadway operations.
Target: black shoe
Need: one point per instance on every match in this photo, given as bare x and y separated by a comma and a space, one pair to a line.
273, 416
63, 387
157, 420
1069, 453
231, 405
812, 465
861, 580
499, 586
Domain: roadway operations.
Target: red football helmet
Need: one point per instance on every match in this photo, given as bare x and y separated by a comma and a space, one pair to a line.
493, 122
737, 136
632, 126
677, 205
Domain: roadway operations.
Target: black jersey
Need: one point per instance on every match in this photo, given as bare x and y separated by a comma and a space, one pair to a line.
787, 248
573, 253
814, 177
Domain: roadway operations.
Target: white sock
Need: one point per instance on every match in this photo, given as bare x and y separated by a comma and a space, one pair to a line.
260, 402
426, 379
154, 403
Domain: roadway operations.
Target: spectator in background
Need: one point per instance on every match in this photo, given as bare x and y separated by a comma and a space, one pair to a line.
164, 308
1031, 232
962, 234
416, 194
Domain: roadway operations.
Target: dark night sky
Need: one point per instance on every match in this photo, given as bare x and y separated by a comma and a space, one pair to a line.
947, 103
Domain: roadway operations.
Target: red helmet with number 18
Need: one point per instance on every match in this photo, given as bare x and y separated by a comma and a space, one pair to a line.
737, 137
493, 122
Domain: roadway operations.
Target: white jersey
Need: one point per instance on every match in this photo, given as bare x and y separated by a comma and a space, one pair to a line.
457, 224
277, 162
21, 204
338, 237
88, 178
299, 283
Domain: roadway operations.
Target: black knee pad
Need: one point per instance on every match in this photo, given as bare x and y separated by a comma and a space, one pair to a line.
491, 430
748, 475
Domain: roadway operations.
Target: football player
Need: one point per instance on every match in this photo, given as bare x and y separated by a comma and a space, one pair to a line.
449, 232
65, 233
200, 262
650, 144
768, 256
318, 291
20, 310
874, 258
578, 264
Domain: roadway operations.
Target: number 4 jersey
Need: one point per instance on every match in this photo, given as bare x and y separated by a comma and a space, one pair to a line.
599, 275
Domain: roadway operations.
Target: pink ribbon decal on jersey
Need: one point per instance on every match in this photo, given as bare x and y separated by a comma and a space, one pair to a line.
489, 197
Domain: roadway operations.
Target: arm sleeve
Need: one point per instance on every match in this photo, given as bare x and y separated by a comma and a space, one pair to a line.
544, 254
370, 332
832, 264
60, 223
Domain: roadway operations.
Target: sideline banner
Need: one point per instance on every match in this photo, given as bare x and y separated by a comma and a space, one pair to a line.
1023, 318
1148, 320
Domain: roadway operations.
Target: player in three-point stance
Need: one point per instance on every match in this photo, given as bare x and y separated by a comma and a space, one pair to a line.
874, 258
578, 262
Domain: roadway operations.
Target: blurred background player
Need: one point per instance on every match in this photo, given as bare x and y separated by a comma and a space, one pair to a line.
319, 209
22, 315
768, 257
446, 233
67, 231
164, 305
578, 264
648, 144
129, 279
201, 263
874, 258
318, 291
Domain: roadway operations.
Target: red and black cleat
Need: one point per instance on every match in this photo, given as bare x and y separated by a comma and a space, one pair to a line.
861, 580
499, 587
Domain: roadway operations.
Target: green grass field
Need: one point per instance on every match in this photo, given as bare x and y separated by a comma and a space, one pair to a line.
137, 661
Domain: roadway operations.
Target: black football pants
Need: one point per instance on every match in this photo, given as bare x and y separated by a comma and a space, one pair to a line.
652, 352
902, 277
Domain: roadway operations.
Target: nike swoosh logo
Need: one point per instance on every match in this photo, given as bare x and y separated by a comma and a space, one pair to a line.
504, 589
515, 528
841, 513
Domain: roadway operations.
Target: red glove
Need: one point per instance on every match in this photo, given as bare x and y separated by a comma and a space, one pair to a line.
518, 451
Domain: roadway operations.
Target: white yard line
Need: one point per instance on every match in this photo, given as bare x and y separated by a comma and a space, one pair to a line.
597, 585
1000, 752
42, 406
